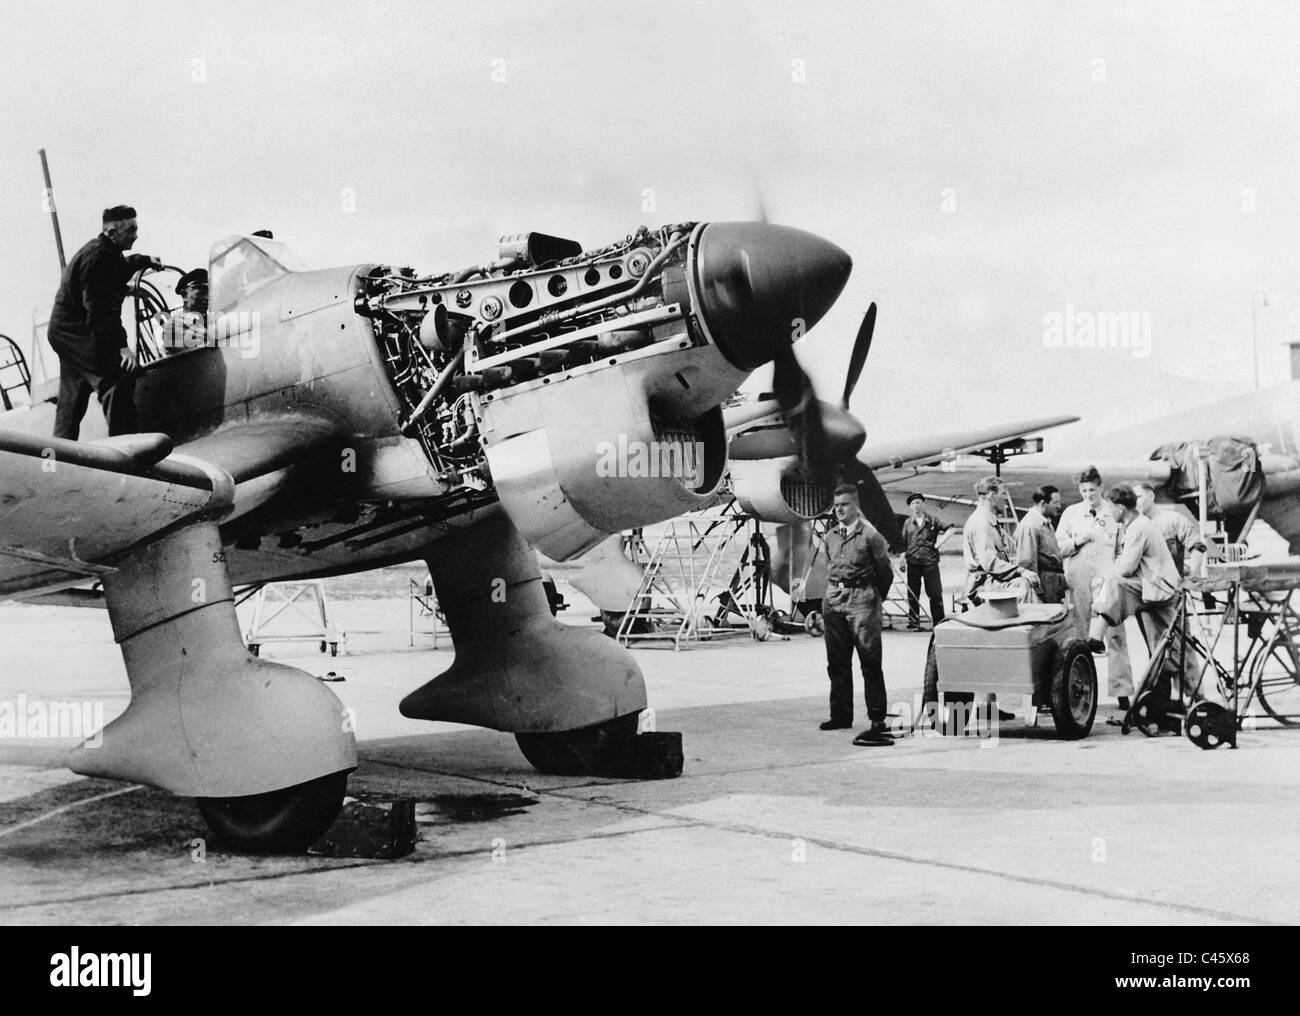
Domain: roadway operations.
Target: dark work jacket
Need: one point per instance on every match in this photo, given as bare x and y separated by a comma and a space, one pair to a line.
921, 538
860, 559
86, 323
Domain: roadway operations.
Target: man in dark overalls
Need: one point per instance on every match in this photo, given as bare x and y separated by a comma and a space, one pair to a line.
857, 581
86, 328
921, 534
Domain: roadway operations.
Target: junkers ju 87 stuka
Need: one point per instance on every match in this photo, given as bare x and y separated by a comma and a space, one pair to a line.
350, 418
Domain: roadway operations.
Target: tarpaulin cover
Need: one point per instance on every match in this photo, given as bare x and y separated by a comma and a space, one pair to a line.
1236, 480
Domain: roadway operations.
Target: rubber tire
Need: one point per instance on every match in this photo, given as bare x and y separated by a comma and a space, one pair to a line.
1196, 725
1149, 711
284, 821
588, 751
814, 625
1288, 646
1075, 666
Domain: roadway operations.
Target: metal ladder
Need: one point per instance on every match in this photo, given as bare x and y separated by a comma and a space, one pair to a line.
14, 375
671, 604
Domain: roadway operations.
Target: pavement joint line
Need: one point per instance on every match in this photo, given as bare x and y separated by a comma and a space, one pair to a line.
865, 851
68, 807
452, 855
563, 793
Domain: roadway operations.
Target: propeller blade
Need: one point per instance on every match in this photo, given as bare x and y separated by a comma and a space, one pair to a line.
876, 507
815, 449
858, 358
787, 380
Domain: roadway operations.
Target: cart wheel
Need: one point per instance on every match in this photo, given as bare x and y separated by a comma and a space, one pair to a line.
1074, 691
813, 625
1208, 725
1149, 711
255, 649
334, 649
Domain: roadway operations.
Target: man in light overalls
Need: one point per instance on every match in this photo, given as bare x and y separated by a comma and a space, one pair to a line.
1088, 536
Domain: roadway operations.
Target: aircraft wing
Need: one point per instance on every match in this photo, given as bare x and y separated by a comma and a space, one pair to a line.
68, 509
934, 447
262, 455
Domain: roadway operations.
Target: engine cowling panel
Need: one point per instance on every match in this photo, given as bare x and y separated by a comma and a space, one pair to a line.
776, 490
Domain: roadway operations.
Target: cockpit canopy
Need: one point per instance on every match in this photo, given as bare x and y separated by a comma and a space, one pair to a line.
240, 265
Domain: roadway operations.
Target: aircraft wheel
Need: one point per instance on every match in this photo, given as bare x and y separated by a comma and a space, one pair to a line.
588, 751
1074, 691
814, 625
284, 821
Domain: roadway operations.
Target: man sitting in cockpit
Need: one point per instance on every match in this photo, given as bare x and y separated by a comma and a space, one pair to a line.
186, 328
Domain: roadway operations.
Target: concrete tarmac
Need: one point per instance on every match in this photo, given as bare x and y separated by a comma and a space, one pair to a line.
773, 821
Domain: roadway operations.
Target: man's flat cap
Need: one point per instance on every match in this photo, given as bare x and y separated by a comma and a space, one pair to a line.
198, 277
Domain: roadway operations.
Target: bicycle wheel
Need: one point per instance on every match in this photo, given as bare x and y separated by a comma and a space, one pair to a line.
1275, 675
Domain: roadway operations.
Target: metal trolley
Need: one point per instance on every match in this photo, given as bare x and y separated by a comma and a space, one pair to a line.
1256, 603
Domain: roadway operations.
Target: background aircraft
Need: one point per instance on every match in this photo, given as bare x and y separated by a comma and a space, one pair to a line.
1254, 472
349, 418
788, 451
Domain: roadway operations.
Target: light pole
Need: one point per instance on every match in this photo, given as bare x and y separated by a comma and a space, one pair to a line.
1254, 347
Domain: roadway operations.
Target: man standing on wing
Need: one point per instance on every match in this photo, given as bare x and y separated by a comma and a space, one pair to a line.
86, 328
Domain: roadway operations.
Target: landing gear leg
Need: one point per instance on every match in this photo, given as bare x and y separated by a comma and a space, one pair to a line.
571, 696
265, 748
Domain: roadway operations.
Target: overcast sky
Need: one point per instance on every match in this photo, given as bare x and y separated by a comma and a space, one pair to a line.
986, 165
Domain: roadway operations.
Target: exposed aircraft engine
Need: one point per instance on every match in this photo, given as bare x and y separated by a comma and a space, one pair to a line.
775, 490
584, 386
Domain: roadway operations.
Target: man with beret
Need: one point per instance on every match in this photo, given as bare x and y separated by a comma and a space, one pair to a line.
988, 550
858, 578
187, 328
921, 533
86, 328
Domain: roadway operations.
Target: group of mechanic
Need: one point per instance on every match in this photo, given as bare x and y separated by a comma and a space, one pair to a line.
1108, 558
86, 326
